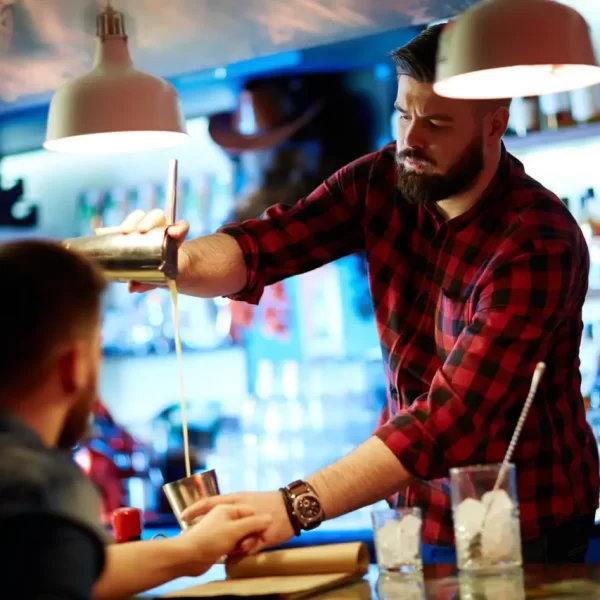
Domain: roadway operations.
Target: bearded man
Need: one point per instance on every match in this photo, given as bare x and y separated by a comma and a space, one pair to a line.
477, 272
56, 547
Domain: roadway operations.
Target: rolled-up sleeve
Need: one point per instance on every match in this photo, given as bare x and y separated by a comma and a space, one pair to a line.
491, 364
290, 240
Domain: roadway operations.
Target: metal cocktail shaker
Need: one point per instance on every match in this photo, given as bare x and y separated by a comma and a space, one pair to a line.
145, 257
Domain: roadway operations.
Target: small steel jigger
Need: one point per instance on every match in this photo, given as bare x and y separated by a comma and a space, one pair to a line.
185, 492
182, 493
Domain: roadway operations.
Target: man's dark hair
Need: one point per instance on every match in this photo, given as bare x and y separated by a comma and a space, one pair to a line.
49, 297
417, 60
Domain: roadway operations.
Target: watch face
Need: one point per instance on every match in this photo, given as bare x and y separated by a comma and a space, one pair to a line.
307, 507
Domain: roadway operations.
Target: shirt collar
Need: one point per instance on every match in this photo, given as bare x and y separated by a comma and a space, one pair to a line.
10, 423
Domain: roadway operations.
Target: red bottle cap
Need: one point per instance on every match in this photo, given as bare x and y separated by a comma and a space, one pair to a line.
127, 524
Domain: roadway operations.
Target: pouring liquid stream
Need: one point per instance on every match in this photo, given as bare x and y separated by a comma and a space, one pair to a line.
184, 421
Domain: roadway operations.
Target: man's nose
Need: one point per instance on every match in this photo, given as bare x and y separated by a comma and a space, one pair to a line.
414, 135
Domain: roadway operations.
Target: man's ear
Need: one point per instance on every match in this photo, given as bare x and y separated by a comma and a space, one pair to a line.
72, 366
497, 123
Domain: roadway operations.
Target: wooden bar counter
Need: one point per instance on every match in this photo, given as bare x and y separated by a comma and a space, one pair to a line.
441, 581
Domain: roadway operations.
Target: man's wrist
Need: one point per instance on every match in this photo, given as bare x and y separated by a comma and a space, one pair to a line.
183, 558
322, 491
368, 474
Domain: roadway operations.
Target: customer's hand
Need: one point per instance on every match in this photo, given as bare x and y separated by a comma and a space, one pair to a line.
143, 222
267, 503
220, 533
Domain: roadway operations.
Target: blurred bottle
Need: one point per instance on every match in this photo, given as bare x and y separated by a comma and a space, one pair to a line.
114, 207
585, 104
588, 355
556, 111
159, 196
594, 399
143, 198
203, 195
593, 210
88, 216
290, 389
158, 316
524, 116
132, 200
585, 218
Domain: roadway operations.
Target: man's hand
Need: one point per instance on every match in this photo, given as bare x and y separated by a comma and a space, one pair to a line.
136, 567
220, 533
143, 222
208, 266
265, 503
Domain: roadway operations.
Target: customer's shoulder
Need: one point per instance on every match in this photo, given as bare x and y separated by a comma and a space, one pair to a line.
45, 466
36, 480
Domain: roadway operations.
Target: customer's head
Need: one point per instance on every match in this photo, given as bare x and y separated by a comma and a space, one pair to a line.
50, 345
443, 143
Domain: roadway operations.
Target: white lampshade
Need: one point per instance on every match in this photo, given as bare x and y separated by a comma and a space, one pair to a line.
515, 48
115, 108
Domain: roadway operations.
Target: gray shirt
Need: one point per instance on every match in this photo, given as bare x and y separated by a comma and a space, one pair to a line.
49, 519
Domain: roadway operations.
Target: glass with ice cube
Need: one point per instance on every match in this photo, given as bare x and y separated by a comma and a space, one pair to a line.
486, 521
397, 533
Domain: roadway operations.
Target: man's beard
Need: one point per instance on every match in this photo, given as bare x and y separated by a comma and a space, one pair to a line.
423, 188
78, 420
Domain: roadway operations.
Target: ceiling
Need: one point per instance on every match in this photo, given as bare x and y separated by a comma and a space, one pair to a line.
204, 47
46, 42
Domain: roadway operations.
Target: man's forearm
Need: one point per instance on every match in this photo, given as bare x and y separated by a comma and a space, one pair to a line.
367, 475
139, 566
211, 266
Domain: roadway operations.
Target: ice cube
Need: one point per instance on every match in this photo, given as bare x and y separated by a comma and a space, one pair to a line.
468, 516
410, 528
498, 537
398, 542
411, 525
497, 500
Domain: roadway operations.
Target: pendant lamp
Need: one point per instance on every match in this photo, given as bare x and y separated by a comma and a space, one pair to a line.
114, 108
515, 48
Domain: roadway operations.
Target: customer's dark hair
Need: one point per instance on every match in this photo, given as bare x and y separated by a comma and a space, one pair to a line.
50, 297
417, 60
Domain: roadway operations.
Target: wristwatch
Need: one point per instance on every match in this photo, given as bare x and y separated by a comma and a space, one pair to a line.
303, 504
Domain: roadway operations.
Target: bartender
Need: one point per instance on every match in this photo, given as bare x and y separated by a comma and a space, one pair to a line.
477, 272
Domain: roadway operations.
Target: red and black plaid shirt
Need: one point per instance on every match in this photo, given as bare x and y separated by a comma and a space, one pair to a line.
465, 309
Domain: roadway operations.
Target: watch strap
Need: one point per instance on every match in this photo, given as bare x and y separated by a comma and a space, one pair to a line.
290, 511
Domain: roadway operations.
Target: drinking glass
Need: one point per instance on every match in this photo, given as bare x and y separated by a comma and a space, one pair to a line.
397, 533
486, 521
